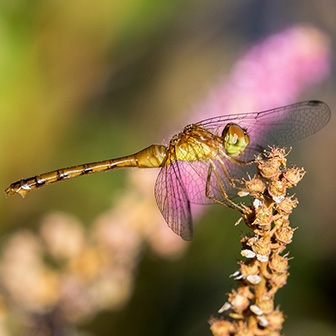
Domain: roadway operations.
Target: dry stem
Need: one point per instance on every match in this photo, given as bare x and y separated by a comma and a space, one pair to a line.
250, 309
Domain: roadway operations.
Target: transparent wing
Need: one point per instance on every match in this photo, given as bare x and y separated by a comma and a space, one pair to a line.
196, 175
172, 200
280, 126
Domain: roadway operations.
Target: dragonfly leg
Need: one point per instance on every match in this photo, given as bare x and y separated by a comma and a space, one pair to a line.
238, 184
226, 200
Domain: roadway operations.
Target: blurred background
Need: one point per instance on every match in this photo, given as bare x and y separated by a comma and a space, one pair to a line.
82, 81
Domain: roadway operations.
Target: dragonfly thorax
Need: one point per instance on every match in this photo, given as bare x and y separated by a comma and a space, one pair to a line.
195, 143
235, 139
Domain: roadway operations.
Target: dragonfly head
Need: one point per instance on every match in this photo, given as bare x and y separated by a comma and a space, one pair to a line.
235, 139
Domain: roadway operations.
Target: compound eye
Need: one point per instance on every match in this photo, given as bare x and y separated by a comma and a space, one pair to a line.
235, 139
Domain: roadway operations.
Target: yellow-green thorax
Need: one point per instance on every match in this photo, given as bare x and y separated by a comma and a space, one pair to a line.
195, 143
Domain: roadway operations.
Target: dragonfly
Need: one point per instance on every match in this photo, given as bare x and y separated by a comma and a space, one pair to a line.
201, 164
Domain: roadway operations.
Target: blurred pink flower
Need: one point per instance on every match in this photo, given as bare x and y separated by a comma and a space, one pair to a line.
272, 73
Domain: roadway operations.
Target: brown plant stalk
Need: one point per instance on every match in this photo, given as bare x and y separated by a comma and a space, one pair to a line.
250, 309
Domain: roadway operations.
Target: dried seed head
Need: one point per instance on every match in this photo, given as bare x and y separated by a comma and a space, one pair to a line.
269, 169
281, 221
238, 302
277, 190
293, 176
266, 304
255, 186
250, 269
279, 264
287, 205
275, 319
279, 280
262, 246
284, 234
222, 328
263, 215
251, 307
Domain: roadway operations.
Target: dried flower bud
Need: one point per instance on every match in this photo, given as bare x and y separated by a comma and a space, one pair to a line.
277, 190
281, 221
266, 304
255, 186
263, 215
287, 205
284, 234
238, 302
293, 176
275, 319
222, 328
279, 280
262, 246
279, 264
250, 269
269, 169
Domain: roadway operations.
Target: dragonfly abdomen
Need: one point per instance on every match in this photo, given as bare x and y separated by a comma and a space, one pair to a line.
150, 157
24, 186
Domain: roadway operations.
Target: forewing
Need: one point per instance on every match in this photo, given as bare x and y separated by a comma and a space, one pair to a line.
276, 127
172, 200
